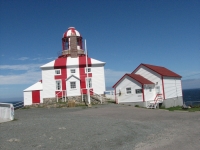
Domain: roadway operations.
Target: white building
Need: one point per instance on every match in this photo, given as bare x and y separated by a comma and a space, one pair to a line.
150, 84
67, 74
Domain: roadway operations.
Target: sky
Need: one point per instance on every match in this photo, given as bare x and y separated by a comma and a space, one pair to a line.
123, 34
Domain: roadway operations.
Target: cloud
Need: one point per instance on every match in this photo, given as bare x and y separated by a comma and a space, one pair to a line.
31, 74
25, 78
50, 58
191, 83
37, 58
112, 76
20, 67
23, 58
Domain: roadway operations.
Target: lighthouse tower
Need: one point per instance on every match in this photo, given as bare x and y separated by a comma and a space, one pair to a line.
72, 43
68, 74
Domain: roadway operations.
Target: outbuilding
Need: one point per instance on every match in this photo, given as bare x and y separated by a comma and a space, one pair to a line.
150, 84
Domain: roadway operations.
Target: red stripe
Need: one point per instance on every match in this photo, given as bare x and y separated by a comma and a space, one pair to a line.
163, 88
82, 65
36, 96
143, 93
61, 63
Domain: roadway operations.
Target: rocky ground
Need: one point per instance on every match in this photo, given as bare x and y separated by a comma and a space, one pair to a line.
102, 127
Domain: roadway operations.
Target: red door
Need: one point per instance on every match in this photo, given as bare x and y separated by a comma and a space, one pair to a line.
36, 96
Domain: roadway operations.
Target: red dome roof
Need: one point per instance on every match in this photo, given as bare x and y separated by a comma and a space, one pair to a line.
71, 32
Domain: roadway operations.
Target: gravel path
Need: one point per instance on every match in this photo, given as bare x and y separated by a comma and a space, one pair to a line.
102, 127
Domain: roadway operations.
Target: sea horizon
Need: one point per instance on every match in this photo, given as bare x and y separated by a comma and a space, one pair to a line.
188, 95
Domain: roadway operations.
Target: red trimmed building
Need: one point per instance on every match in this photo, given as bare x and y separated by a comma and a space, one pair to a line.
149, 84
67, 74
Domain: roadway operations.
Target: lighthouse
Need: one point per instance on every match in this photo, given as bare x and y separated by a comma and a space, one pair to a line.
69, 73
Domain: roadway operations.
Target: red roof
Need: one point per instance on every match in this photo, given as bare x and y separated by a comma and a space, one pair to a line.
160, 70
136, 77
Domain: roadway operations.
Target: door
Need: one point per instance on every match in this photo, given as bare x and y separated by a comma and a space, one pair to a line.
36, 96
157, 89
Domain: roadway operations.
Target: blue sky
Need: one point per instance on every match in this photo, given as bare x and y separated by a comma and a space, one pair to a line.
121, 33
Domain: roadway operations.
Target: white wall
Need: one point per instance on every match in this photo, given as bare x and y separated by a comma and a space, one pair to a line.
6, 111
98, 79
73, 92
41, 96
48, 81
172, 87
128, 82
151, 76
77, 73
28, 98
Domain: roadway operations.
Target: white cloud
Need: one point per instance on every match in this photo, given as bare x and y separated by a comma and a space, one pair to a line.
112, 76
23, 58
31, 74
20, 67
50, 58
25, 78
37, 58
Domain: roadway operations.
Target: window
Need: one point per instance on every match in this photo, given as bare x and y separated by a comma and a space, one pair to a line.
58, 85
128, 90
73, 71
57, 72
150, 89
73, 85
138, 91
89, 70
89, 82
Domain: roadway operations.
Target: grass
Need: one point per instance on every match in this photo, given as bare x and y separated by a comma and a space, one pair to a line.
111, 101
179, 108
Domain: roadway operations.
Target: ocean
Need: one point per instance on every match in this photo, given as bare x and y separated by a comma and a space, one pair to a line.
190, 97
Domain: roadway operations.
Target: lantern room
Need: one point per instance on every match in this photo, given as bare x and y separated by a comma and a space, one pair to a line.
72, 44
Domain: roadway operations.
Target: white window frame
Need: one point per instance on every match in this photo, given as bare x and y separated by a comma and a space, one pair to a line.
89, 69
71, 71
90, 85
71, 85
57, 85
128, 91
58, 70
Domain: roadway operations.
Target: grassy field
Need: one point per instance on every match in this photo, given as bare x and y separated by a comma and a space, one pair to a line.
179, 108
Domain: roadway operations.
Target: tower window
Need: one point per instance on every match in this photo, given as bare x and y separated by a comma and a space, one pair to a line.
58, 85
89, 82
88, 70
57, 72
73, 71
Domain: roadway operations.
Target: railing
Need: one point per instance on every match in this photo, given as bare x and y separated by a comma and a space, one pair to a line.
110, 94
97, 95
158, 98
91, 91
192, 103
18, 105
64, 93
